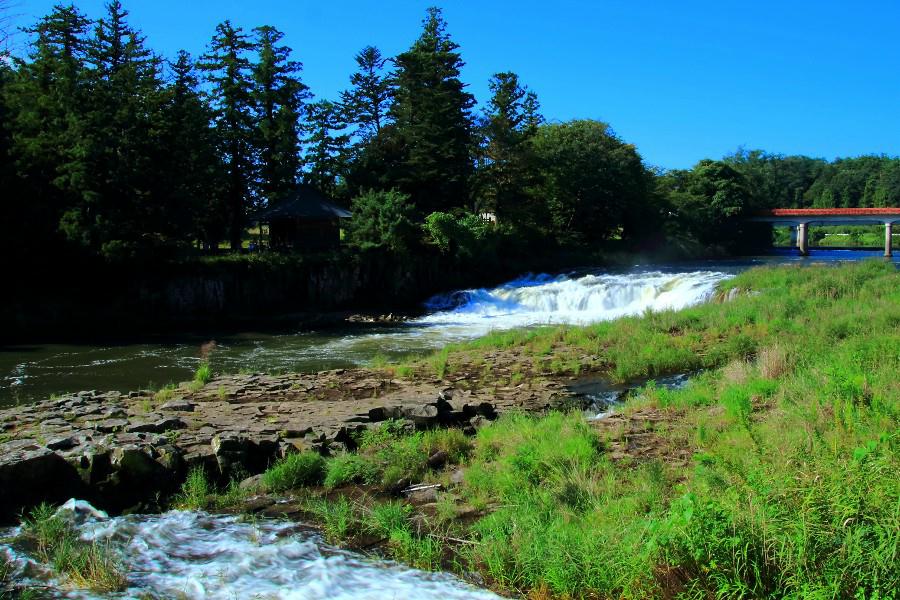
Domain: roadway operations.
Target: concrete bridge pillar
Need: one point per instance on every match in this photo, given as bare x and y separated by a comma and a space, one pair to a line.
803, 239
888, 240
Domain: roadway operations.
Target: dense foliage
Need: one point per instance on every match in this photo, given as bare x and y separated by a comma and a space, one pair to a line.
108, 149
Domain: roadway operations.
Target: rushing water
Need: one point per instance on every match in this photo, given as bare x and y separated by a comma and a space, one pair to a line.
196, 555
36, 371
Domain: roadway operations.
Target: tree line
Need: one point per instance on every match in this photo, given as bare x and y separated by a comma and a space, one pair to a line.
108, 149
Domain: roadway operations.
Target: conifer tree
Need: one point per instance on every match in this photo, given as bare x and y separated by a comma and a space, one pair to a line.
45, 99
367, 102
431, 111
506, 169
229, 75
117, 211
188, 157
278, 97
326, 154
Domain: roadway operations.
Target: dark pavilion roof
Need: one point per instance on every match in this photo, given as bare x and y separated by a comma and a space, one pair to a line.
305, 202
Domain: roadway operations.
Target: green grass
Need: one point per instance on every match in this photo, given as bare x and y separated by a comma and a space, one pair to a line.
792, 431
196, 491
338, 518
349, 468
203, 374
86, 565
294, 470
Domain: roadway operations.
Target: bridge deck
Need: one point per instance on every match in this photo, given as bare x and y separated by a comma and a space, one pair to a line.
802, 218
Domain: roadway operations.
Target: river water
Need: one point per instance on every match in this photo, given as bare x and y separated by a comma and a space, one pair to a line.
199, 556
196, 555
32, 372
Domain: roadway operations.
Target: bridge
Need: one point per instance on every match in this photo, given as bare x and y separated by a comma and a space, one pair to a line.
799, 220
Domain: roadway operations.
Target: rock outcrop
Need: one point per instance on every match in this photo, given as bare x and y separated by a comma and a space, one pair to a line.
121, 450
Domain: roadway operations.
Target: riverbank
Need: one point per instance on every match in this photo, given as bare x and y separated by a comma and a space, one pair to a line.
769, 474
772, 474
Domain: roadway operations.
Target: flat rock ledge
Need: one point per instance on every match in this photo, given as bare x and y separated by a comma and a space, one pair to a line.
121, 451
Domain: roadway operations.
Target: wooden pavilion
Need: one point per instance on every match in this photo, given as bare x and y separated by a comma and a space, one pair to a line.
304, 219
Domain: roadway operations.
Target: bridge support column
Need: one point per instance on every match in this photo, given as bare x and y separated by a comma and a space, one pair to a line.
803, 239
888, 240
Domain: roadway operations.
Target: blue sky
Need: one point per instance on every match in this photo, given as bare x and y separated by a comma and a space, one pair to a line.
681, 80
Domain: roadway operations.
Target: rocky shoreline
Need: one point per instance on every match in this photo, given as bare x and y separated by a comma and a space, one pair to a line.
129, 451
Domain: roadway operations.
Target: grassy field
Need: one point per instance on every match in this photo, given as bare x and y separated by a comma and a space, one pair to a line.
790, 488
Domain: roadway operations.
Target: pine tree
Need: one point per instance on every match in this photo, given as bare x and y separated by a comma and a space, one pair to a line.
367, 102
45, 98
506, 162
229, 74
278, 97
432, 118
118, 212
188, 144
326, 154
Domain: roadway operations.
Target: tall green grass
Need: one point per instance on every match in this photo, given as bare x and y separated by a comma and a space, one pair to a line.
86, 565
792, 490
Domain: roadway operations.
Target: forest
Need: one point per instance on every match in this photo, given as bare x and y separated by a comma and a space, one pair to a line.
111, 152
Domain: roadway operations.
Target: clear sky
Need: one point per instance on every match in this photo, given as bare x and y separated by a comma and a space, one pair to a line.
682, 80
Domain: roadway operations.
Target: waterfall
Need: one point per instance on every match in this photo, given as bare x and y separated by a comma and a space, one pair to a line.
580, 300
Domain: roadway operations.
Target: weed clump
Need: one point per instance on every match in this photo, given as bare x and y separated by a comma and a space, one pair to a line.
86, 565
293, 471
349, 468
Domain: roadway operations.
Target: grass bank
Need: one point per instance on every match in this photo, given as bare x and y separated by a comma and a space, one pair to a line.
773, 474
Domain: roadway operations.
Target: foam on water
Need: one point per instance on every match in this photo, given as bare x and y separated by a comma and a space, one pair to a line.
209, 557
577, 300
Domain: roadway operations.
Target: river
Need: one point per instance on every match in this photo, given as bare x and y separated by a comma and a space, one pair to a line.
200, 556
31, 372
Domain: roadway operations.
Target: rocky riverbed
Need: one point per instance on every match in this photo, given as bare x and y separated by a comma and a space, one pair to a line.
123, 451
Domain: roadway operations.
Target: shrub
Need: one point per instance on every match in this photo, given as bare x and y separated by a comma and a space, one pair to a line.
383, 220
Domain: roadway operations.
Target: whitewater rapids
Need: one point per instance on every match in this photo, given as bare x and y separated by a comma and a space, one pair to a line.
580, 300
196, 555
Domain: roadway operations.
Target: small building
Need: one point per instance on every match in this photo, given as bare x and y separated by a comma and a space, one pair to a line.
304, 219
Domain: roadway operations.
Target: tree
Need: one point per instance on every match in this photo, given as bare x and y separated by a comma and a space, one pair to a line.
326, 154
775, 180
229, 76
194, 173
367, 102
431, 112
710, 202
117, 211
278, 97
592, 183
45, 98
382, 220
506, 159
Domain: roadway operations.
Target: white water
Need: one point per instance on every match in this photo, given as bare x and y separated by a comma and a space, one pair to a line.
580, 300
529, 301
200, 556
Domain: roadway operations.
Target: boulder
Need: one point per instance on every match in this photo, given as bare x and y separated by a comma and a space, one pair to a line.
32, 475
